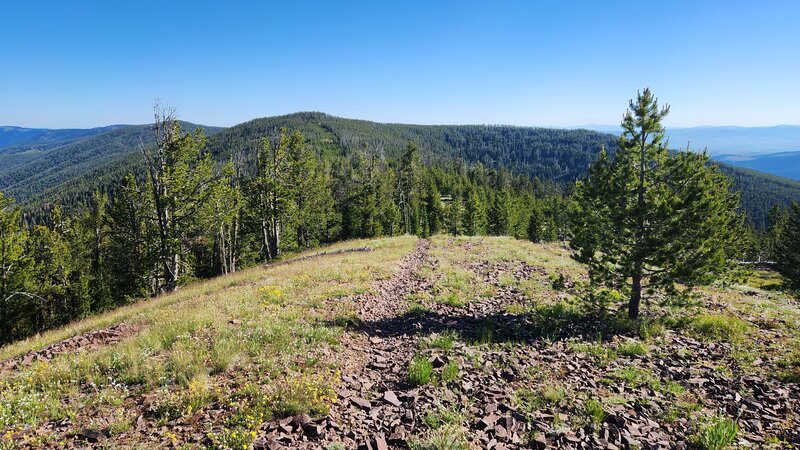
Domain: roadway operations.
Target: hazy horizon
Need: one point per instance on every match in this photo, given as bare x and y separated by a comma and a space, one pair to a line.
590, 126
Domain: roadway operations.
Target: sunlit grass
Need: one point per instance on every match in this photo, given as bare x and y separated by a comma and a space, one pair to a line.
262, 322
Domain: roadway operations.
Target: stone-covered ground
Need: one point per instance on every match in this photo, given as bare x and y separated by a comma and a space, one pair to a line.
462, 343
516, 363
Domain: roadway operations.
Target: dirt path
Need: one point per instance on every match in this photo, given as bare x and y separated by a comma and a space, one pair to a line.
523, 390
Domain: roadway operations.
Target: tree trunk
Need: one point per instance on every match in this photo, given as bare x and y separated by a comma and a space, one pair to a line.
636, 285
636, 293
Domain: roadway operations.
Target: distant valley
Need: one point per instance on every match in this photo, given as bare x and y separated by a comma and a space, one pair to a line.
774, 150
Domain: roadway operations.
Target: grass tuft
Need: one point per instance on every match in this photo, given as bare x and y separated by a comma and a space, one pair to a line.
594, 411
632, 348
417, 309
420, 371
719, 434
720, 327
443, 341
449, 437
449, 372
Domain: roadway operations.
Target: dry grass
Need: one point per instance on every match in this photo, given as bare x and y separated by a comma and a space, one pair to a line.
266, 323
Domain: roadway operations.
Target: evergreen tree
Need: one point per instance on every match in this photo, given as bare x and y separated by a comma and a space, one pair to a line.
408, 188
788, 248
537, 226
180, 177
454, 216
93, 240
14, 262
499, 213
774, 234
475, 220
653, 218
57, 274
225, 211
434, 210
311, 203
271, 191
132, 252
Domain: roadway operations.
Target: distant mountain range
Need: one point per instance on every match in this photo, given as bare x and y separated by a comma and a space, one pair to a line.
53, 157
67, 165
44, 137
774, 149
727, 140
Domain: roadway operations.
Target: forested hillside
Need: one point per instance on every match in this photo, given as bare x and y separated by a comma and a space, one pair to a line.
548, 154
29, 171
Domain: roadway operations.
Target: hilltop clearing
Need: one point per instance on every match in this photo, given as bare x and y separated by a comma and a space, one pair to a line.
441, 343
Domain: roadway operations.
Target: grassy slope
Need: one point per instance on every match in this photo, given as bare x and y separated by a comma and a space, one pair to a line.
282, 358
287, 315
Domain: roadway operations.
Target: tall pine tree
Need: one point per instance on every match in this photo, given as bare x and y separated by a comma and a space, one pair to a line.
14, 262
787, 253
648, 220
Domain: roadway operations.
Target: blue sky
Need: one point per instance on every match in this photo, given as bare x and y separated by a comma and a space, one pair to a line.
546, 63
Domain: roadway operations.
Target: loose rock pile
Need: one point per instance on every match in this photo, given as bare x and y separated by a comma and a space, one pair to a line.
87, 341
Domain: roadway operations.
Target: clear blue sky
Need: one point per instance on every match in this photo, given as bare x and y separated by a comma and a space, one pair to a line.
91, 63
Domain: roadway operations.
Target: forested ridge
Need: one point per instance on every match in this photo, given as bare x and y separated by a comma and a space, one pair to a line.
69, 174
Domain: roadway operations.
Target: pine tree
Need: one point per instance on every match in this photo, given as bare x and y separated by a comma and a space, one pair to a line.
788, 248
58, 273
225, 212
774, 234
408, 188
311, 199
537, 224
653, 218
271, 192
14, 263
180, 177
132, 253
454, 216
499, 213
475, 220
434, 210
93, 243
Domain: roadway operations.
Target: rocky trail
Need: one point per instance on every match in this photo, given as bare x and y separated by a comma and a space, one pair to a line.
515, 389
